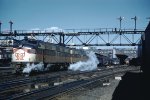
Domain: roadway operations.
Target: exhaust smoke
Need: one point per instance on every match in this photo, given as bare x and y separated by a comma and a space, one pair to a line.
29, 67
90, 64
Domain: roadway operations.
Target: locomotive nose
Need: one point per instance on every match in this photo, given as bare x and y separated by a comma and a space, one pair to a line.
23, 55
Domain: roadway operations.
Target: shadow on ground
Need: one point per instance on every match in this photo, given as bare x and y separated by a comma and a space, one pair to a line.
133, 86
136, 86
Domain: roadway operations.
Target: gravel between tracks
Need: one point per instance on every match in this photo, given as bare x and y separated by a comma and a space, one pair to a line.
97, 93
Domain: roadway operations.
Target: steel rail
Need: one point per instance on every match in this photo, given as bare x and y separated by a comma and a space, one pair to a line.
55, 90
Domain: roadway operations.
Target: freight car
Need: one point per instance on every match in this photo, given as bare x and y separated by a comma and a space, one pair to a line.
103, 60
6, 46
5, 56
138, 61
36, 51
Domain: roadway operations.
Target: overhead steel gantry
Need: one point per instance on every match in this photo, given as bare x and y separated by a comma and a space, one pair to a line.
82, 37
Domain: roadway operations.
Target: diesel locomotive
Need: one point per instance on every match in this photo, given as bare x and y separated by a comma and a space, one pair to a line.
36, 51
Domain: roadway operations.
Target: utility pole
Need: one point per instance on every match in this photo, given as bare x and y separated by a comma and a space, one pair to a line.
10, 26
120, 21
135, 19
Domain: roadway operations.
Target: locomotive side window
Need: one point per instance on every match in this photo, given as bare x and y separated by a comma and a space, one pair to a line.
52, 52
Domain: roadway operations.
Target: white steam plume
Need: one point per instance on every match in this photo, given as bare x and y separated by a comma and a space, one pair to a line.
90, 64
54, 29
30, 67
49, 29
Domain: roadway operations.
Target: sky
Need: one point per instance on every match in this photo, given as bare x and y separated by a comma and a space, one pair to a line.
73, 14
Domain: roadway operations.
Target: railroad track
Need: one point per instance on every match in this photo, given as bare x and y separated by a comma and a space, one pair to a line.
55, 90
22, 81
16, 84
6, 69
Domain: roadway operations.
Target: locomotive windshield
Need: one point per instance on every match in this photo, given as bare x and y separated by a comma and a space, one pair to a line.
28, 46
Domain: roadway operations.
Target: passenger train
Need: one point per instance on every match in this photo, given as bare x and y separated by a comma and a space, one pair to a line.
19, 53
36, 51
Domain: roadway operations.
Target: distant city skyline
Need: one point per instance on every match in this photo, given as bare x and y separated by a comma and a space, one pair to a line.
77, 14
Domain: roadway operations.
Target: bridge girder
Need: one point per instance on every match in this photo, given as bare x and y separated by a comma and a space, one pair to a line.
99, 37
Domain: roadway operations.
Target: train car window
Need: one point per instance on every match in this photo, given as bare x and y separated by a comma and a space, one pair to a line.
48, 46
53, 47
52, 52
57, 48
48, 52
58, 53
